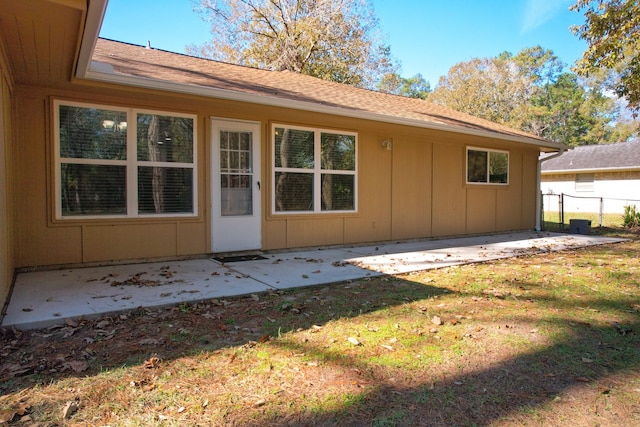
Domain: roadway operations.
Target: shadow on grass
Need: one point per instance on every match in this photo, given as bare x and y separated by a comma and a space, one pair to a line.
43, 356
524, 383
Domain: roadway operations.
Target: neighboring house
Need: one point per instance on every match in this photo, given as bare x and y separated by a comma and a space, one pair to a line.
591, 173
112, 152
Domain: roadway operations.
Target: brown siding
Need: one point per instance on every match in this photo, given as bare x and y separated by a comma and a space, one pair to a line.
481, 209
411, 188
7, 261
415, 190
509, 199
449, 195
118, 242
529, 189
373, 222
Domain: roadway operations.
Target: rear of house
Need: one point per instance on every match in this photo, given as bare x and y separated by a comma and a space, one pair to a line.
112, 152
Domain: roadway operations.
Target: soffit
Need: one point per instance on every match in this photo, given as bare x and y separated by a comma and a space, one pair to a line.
41, 38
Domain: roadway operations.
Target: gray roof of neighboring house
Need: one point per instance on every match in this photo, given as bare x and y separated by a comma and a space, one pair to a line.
623, 155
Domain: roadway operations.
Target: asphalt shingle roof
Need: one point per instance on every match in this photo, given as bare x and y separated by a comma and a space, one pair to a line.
610, 156
127, 60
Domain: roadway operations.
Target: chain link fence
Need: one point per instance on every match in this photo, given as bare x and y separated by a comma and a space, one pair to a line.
561, 208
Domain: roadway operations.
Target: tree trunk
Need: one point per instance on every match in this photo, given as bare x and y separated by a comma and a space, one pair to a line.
157, 174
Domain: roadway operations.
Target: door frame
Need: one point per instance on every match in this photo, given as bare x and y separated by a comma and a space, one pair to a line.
222, 227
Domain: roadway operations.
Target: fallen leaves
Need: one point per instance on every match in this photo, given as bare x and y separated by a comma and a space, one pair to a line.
19, 409
70, 408
152, 363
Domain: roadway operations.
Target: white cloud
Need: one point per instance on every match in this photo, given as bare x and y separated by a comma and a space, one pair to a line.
537, 12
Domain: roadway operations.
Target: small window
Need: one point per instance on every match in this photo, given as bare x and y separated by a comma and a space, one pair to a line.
487, 166
119, 162
314, 170
584, 182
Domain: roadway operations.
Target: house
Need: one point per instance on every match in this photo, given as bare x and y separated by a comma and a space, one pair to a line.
112, 152
594, 176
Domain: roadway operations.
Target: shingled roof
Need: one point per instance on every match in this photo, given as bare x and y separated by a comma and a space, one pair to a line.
623, 155
131, 64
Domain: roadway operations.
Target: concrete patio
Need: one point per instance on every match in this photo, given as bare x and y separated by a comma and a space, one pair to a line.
44, 298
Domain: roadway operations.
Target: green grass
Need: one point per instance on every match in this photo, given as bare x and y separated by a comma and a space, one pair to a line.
552, 219
537, 340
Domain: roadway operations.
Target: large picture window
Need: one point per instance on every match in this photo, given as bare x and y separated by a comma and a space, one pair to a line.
314, 170
487, 166
117, 162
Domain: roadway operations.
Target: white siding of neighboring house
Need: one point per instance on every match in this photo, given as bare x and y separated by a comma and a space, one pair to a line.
617, 189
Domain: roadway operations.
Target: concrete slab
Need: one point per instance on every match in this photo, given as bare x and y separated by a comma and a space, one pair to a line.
307, 268
44, 298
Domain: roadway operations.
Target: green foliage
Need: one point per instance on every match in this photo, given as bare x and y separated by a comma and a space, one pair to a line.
612, 33
490, 88
412, 87
631, 217
530, 91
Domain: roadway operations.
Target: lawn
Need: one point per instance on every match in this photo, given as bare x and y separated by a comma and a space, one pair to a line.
552, 220
550, 339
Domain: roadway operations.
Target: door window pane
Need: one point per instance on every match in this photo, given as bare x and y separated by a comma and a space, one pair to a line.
236, 195
236, 173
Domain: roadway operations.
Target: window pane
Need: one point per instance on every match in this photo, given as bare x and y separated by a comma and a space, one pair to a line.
165, 190
338, 192
91, 133
236, 195
338, 152
294, 191
498, 168
165, 138
93, 189
476, 166
294, 148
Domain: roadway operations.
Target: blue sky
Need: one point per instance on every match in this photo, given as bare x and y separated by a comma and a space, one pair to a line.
426, 36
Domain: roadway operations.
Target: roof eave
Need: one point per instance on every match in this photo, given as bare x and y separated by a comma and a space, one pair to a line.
93, 23
147, 83
84, 70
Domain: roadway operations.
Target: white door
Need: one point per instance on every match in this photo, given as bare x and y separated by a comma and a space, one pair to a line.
235, 200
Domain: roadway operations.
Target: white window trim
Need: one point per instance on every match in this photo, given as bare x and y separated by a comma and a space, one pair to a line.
132, 163
316, 171
487, 150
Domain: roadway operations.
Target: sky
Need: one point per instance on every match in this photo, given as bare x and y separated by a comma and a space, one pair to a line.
426, 36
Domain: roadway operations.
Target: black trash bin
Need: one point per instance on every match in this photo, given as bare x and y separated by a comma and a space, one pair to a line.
580, 226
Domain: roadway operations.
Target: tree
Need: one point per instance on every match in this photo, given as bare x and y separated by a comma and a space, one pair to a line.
530, 91
331, 39
612, 33
490, 88
412, 87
